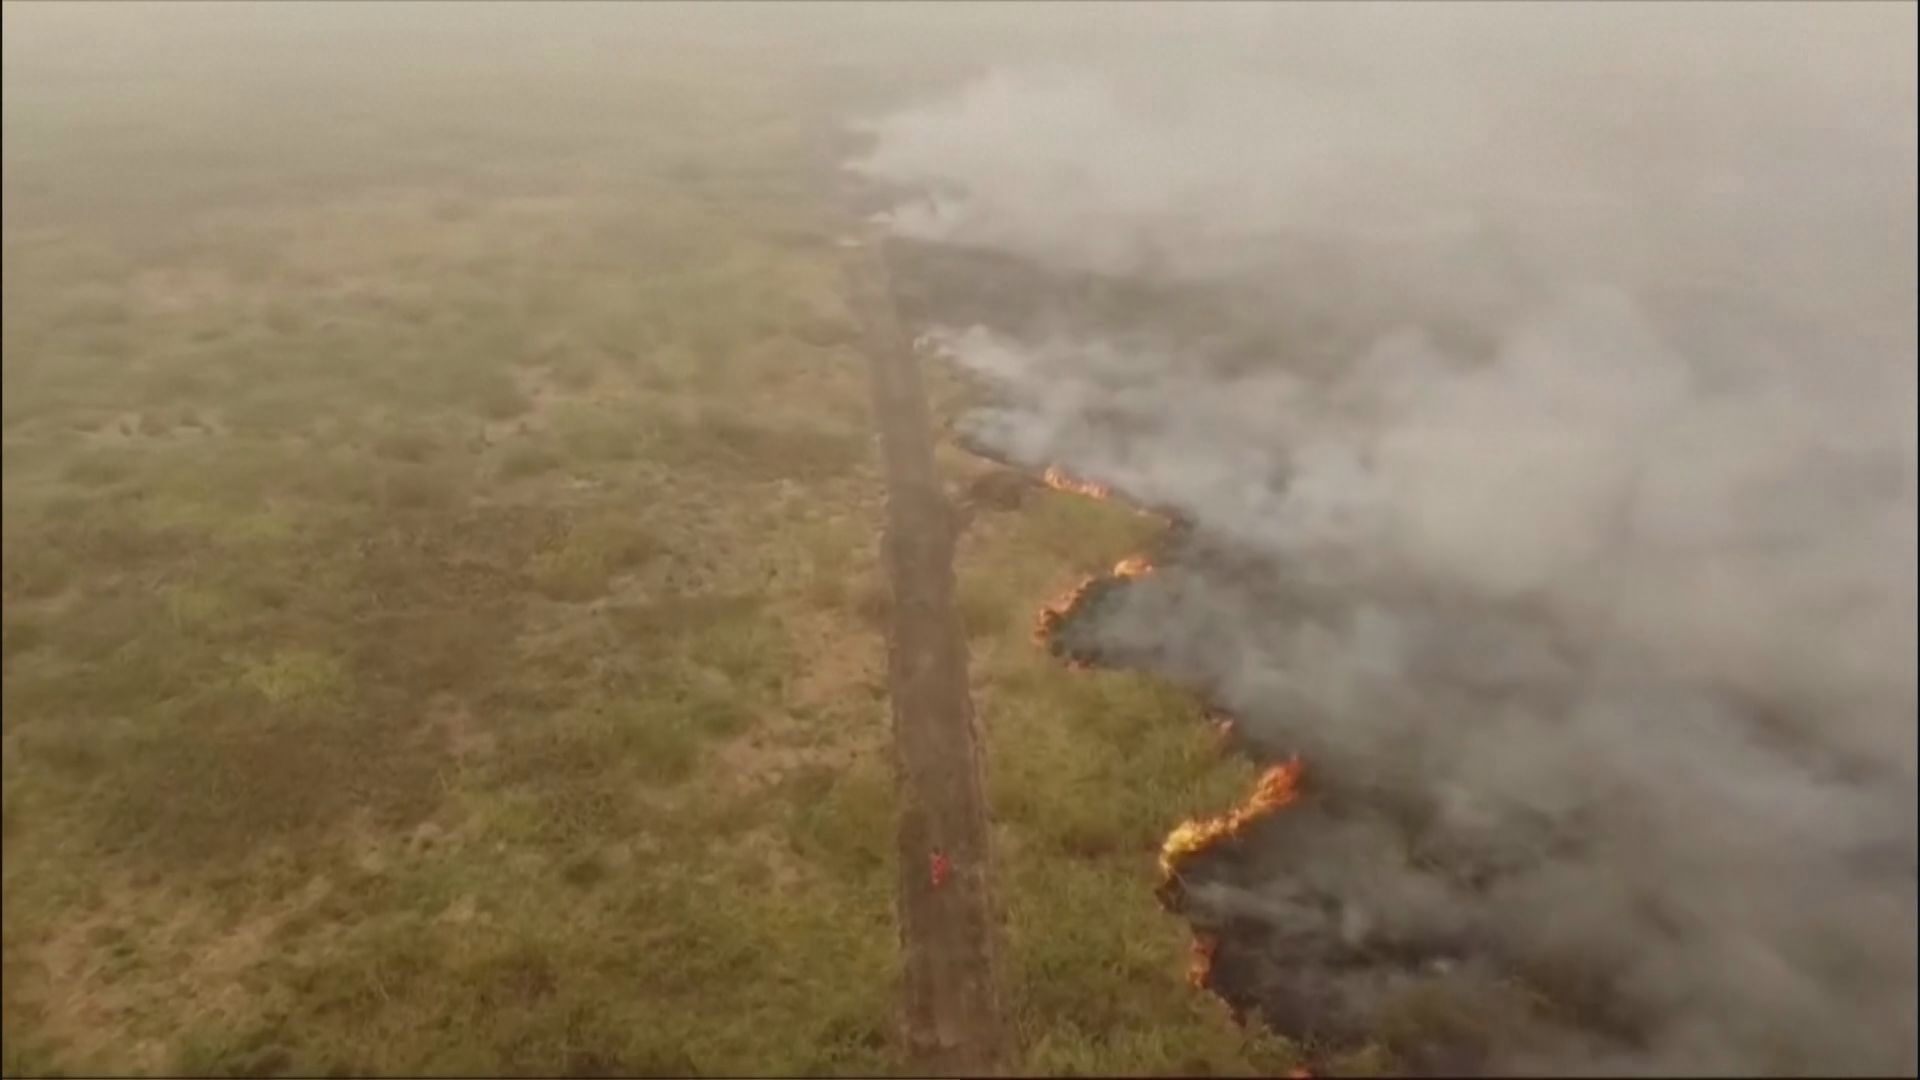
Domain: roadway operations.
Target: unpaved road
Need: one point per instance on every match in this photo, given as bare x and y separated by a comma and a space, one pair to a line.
951, 1007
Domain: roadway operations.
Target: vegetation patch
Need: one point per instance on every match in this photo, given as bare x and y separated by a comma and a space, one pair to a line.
441, 628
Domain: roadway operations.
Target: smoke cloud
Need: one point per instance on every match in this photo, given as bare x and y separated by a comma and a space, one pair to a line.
1547, 434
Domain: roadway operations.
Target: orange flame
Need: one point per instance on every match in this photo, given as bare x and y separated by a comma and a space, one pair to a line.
1200, 965
1279, 786
1057, 479
1055, 611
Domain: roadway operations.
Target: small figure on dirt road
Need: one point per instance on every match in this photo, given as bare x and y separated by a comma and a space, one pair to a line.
941, 868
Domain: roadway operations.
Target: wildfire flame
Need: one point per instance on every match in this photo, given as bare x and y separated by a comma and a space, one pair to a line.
1055, 611
1279, 786
1057, 479
1200, 967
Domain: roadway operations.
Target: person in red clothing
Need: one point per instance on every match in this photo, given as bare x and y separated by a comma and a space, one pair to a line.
941, 868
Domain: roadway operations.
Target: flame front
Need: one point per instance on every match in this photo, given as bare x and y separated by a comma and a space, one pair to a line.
1055, 611
1200, 965
1057, 479
1279, 786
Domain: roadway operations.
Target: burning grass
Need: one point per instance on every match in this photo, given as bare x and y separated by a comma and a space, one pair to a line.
1222, 946
1087, 768
1056, 613
1200, 965
1058, 479
1276, 790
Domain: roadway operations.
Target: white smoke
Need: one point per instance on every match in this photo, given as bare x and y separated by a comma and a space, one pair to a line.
1638, 567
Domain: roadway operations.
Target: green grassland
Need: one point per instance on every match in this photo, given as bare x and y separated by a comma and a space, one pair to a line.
442, 627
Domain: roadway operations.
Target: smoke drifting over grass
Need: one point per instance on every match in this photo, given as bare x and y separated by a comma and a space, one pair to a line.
1550, 451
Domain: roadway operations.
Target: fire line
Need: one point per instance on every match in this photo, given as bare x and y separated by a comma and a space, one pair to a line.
1277, 788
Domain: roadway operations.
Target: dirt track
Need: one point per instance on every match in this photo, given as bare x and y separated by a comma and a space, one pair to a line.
950, 1001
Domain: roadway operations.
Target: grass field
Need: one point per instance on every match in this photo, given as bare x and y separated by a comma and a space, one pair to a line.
442, 624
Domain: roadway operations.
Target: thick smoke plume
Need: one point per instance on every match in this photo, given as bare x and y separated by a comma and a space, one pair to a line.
1547, 431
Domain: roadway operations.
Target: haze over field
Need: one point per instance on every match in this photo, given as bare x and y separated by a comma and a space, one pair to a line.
1590, 550
446, 627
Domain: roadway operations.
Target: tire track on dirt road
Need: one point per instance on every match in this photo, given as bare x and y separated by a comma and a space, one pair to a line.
949, 988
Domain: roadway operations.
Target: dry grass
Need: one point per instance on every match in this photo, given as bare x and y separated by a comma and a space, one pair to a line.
390, 578
441, 623
1089, 769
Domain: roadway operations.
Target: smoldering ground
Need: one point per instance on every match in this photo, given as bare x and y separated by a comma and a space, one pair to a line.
1539, 386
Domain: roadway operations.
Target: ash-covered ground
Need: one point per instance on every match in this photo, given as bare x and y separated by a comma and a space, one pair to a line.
1536, 388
